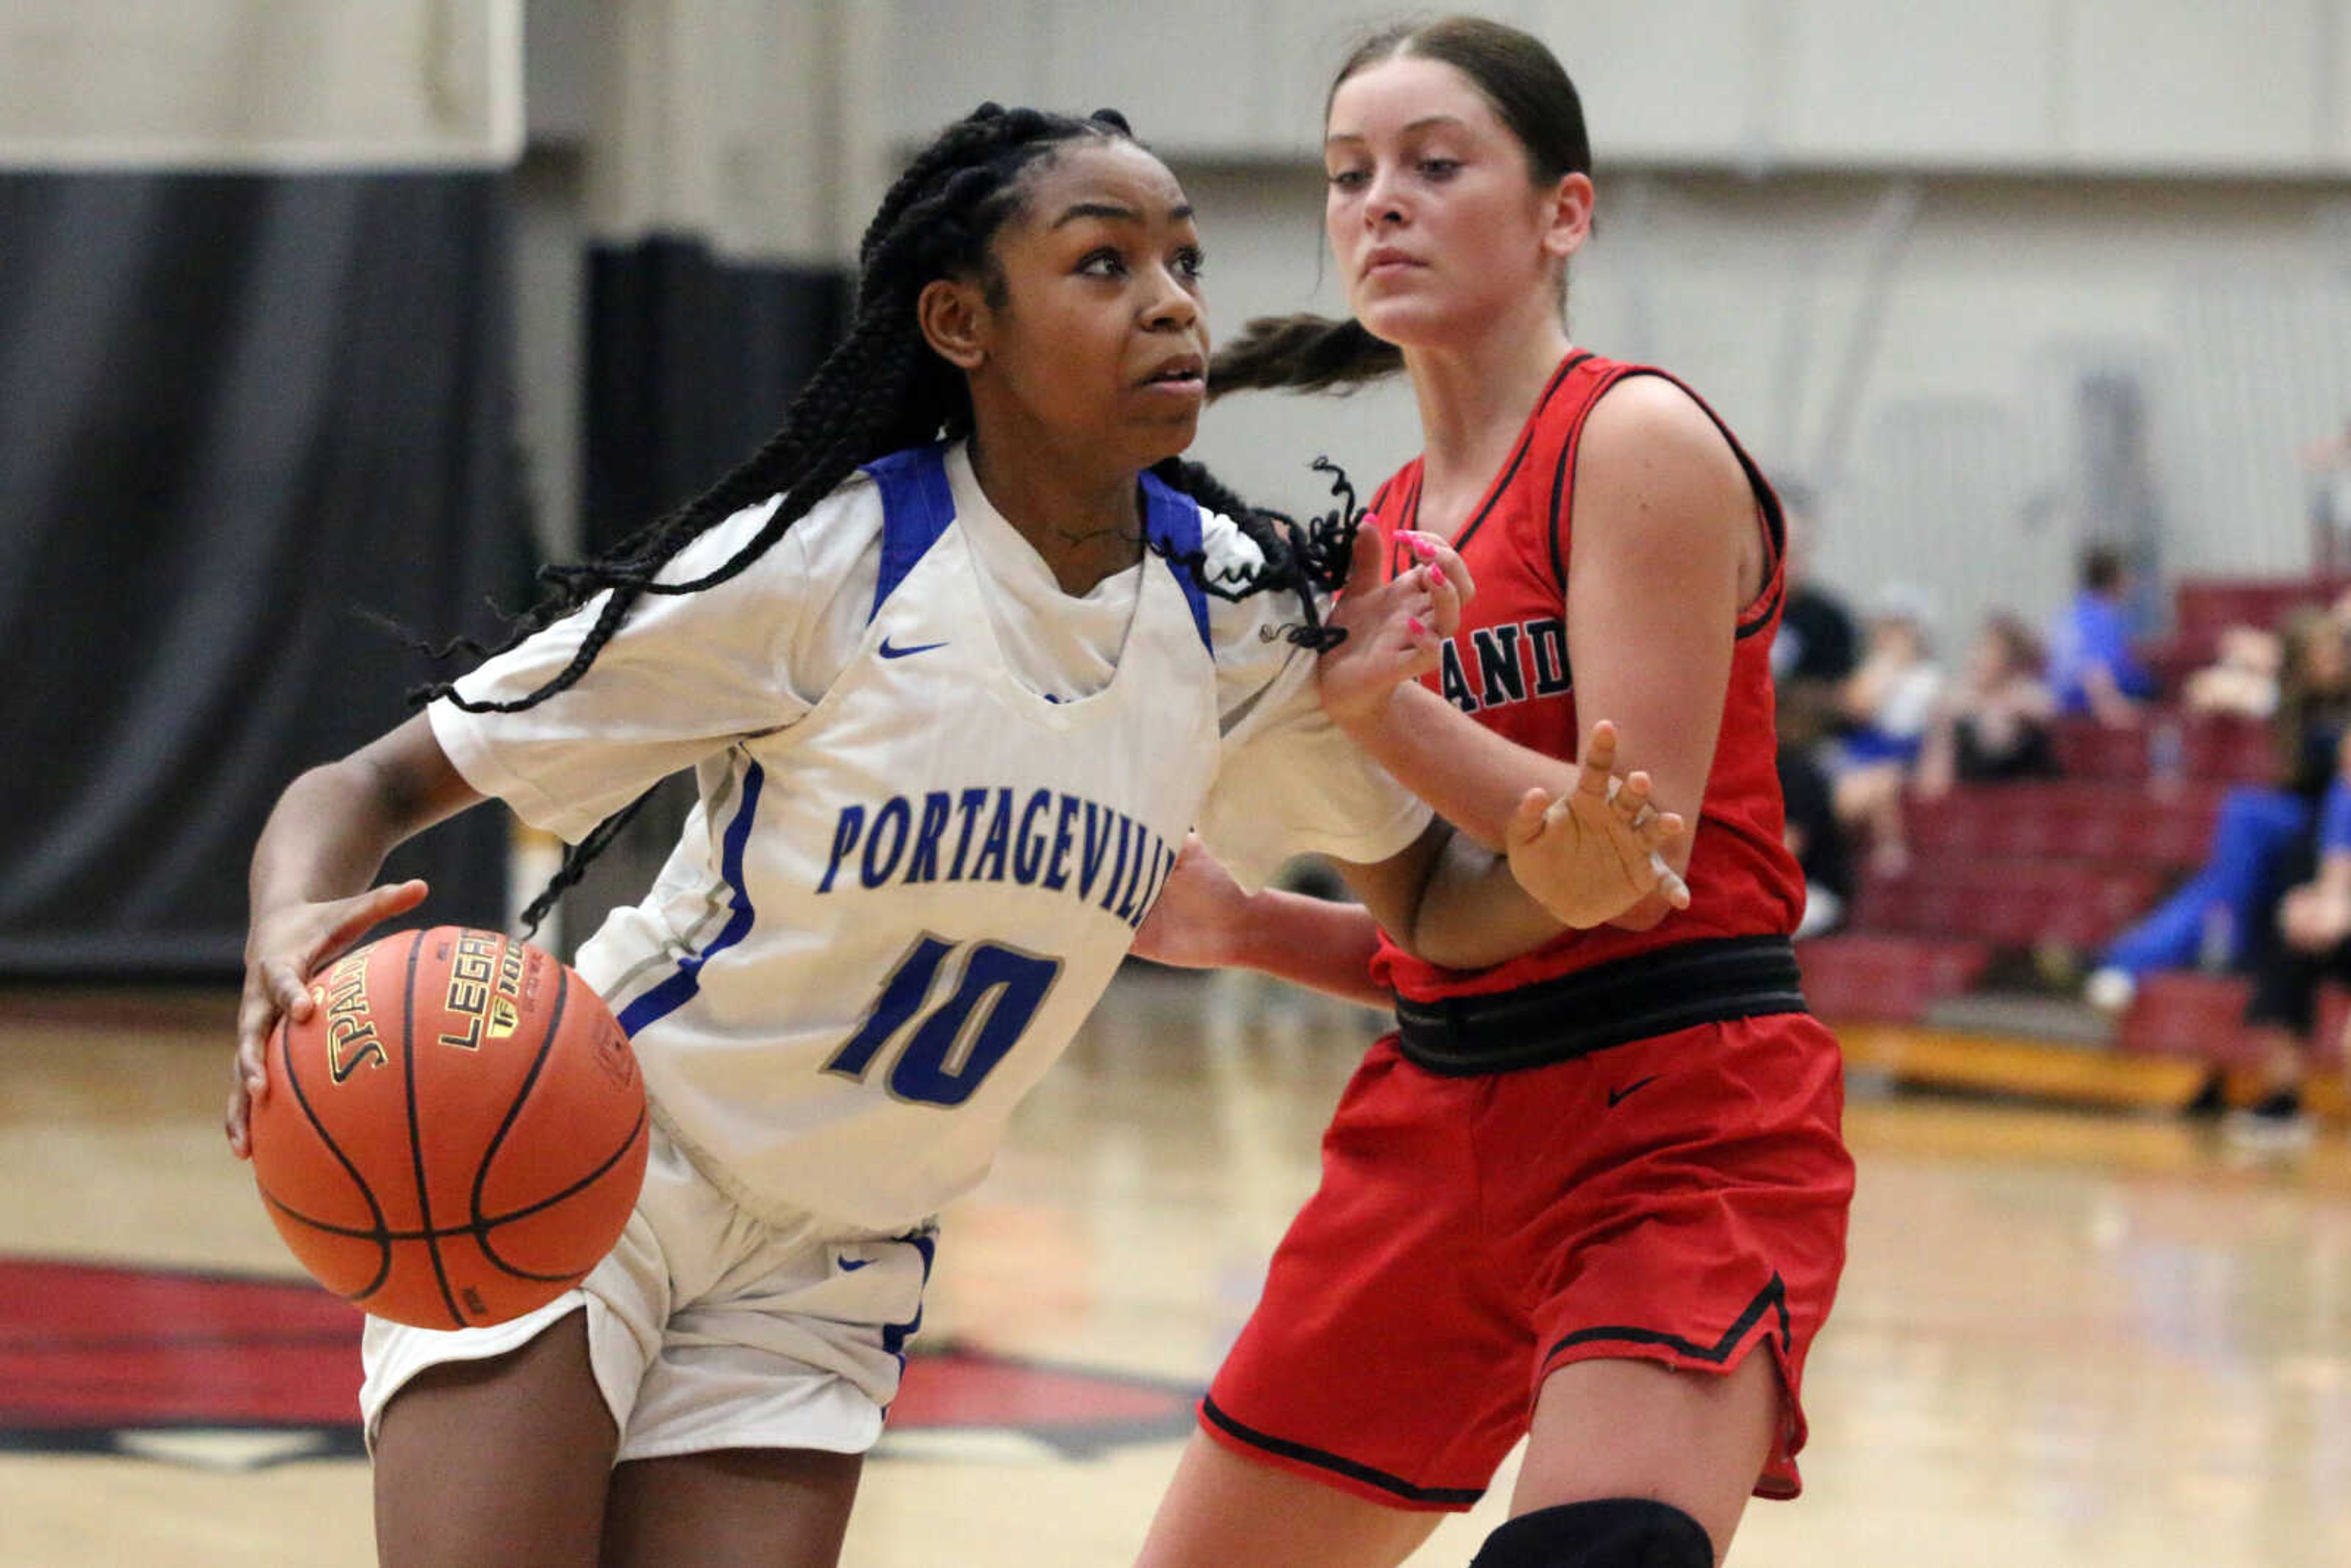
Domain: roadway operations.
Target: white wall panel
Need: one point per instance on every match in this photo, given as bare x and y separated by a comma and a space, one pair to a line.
2158, 84
2129, 86
1186, 75
2335, 92
1870, 82
1669, 80
720, 117
1302, 44
1921, 357
947, 57
230, 84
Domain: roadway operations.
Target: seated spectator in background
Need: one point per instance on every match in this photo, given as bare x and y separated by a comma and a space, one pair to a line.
1886, 705
2212, 919
2249, 674
1817, 839
2094, 665
1817, 645
1812, 832
1994, 722
2243, 679
2309, 941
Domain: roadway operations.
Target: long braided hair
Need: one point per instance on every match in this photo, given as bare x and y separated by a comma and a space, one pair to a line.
882, 389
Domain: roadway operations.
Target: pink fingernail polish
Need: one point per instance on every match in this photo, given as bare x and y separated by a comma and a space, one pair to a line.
1417, 629
1421, 545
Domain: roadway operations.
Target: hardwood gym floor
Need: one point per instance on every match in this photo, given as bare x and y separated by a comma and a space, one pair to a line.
2082, 1336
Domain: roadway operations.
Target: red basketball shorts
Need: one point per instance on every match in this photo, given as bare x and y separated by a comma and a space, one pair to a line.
1680, 1199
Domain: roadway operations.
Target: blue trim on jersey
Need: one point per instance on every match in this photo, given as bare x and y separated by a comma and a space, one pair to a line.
1171, 520
917, 505
681, 988
895, 1335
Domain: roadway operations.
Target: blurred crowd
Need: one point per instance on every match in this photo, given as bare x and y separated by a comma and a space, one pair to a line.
1872, 718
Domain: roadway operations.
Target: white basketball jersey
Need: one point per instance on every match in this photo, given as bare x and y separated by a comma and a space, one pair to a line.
896, 901
896, 911
950, 868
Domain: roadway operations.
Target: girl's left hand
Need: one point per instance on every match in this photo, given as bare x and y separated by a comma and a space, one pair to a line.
1394, 628
1595, 851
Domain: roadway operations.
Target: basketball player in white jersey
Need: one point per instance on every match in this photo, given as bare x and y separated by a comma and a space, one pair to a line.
953, 705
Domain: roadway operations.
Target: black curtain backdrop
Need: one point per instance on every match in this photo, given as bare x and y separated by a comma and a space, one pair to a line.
236, 413
692, 358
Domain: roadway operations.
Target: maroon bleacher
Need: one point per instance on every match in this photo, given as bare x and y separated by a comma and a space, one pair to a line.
2206, 749
2197, 1017
1886, 977
2088, 750
2201, 1018
2203, 607
2230, 750
2072, 818
2011, 901
2058, 867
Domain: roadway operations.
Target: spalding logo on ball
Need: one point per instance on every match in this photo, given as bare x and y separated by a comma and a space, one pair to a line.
456, 1135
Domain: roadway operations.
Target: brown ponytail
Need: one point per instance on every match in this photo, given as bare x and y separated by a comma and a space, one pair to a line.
1302, 353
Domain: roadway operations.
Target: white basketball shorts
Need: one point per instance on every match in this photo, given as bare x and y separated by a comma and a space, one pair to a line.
708, 1329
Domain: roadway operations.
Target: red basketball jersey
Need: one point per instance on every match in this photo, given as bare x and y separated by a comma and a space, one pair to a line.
1507, 667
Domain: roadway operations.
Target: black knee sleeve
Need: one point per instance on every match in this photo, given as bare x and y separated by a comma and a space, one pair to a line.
1611, 1532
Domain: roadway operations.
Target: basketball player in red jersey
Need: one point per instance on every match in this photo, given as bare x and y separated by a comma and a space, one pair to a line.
1596, 1195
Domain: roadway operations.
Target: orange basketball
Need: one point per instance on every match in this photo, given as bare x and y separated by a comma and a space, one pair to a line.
458, 1133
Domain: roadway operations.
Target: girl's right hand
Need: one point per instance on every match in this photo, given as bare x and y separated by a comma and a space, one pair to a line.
1394, 628
282, 950
1595, 851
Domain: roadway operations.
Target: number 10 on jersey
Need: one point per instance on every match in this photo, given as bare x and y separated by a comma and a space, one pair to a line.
954, 1043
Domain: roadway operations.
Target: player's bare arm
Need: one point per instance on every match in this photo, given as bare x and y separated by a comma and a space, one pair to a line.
1603, 854
1668, 547
312, 881
1203, 919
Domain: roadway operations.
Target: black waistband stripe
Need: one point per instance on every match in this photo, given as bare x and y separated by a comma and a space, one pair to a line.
1611, 1003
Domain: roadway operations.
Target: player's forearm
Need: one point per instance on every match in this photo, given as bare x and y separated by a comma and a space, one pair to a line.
1473, 777
1323, 944
329, 834
1473, 913
326, 839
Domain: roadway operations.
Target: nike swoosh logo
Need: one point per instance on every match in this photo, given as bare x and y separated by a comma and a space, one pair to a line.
1616, 1095
890, 653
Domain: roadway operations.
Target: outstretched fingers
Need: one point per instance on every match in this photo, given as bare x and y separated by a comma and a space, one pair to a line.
1648, 832
1595, 850
282, 951
1528, 819
248, 1072
1597, 773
